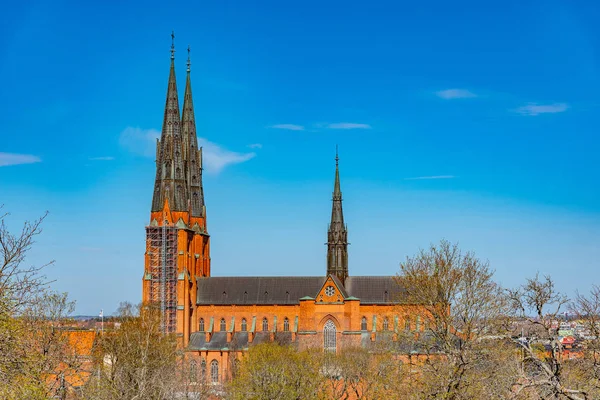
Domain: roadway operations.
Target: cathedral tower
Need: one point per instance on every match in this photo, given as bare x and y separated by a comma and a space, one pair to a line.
337, 235
177, 242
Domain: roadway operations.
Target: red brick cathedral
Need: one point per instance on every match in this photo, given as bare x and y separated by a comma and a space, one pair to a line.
217, 317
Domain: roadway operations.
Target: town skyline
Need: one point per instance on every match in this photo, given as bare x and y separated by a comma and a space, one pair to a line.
496, 157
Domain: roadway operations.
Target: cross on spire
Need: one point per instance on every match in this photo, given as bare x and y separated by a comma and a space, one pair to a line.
172, 45
189, 63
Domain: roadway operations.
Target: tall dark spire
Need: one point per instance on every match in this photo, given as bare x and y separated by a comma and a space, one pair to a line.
191, 154
170, 184
337, 235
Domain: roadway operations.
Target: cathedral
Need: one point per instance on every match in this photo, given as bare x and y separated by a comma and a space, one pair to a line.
215, 318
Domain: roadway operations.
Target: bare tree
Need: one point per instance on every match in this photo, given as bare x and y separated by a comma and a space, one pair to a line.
19, 284
542, 360
135, 361
456, 294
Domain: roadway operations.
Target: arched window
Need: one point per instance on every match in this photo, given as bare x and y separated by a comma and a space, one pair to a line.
363, 324
203, 370
418, 326
244, 325
386, 324
193, 371
214, 371
286, 324
201, 327
265, 325
329, 338
223, 326
407, 324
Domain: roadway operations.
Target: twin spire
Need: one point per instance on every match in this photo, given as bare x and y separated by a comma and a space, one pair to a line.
178, 159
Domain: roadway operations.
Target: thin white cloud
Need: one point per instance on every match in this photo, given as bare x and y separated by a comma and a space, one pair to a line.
139, 141
533, 109
215, 157
104, 158
7, 159
348, 125
289, 127
422, 178
255, 146
450, 94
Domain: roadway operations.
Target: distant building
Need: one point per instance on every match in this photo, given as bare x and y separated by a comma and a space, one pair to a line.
215, 317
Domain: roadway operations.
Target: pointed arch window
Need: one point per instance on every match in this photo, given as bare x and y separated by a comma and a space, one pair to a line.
407, 324
214, 371
223, 326
265, 325
193, 371
418, 325
201, 325
203, 370
329, 337
363, 324
244, 325
386, 324
286, 324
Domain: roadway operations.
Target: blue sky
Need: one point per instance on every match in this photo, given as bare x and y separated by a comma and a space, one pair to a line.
471, 121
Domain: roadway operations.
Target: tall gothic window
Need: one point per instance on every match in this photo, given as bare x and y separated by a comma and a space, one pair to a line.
223, 326
329, 338
265, 324
363, 324
244, 325
286, 325
214, 371
193, 371
203, 370
407, 324
386, 324
201, 327
418, 327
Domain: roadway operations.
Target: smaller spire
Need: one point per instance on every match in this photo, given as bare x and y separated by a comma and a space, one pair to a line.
189, 63
172, 45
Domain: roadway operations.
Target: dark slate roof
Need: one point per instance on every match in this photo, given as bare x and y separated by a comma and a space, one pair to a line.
289, 289
372, 289
252, 289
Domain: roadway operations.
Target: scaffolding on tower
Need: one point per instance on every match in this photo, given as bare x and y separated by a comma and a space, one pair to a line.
162, 253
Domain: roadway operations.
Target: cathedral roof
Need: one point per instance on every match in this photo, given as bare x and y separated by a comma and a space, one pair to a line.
290, 289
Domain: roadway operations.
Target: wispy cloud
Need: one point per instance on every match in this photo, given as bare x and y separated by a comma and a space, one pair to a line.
450, 94
423, 178
255, 146
7, 159
348, 125
533, 109
289, 127
139, 141
215, 157
105, 158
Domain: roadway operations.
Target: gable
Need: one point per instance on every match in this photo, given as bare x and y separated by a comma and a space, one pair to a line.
331, 291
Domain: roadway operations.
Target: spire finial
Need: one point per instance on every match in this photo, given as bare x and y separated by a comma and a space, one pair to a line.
189, 63
172, 45
337, 159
